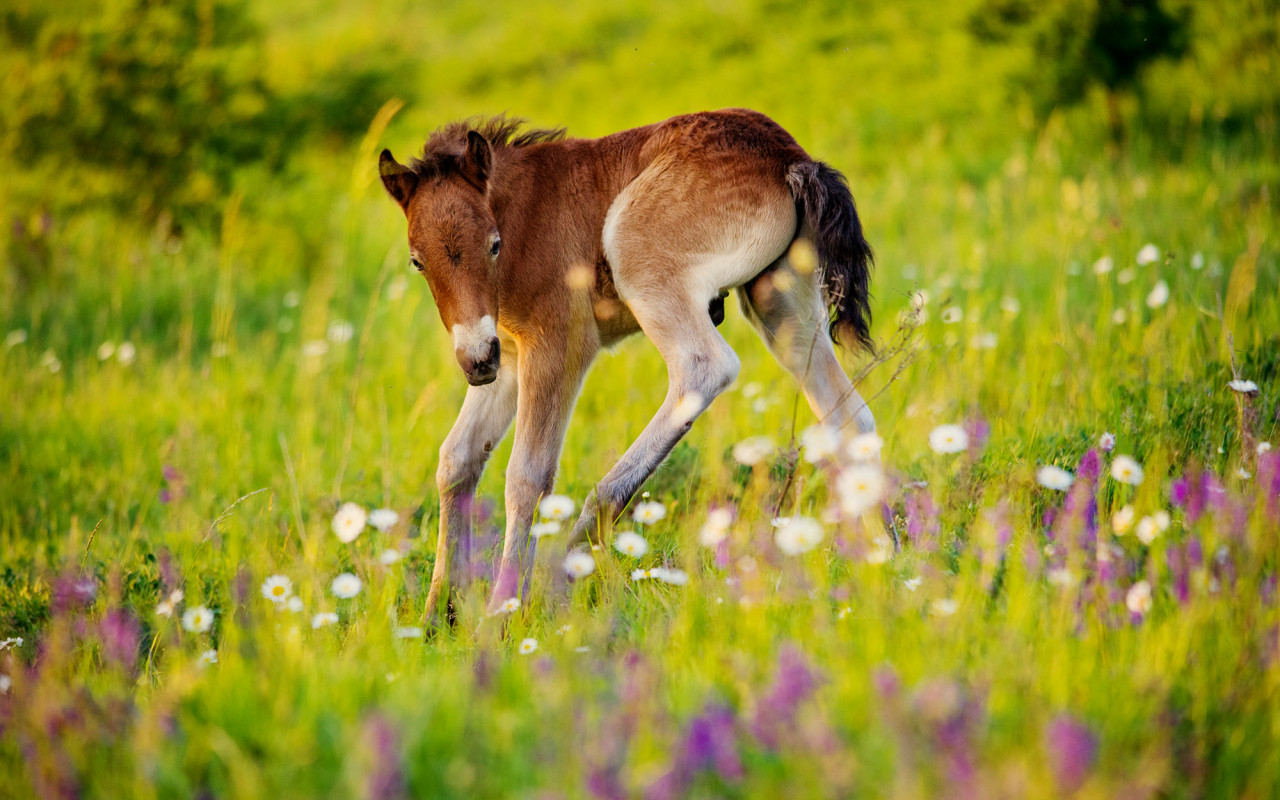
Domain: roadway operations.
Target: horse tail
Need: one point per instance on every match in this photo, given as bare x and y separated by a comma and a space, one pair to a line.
830, 218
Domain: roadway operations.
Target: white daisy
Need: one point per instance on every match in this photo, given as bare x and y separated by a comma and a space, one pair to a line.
716, 528
1263, 447
1107, 441
388, 557
674, 577
170, 603
208, 657
509, 605
820, 442
948, 439
527, 646
126, 353
1103, 265
913, 583
860, 488
294, 604
383, 518
277, 588
952, 315
409, 632
1122, 520
106, 350
541, 529
1126, 470
799, 535
1149, 254
1197, 260
1062, 577
648, 513
579, 564
1162, 519
556, 506
1138, 598
346, 586
1010, 305
865, 447
640, 574
349, 522
340, 331
944, 607
753, 450
197, 619
1243, 387
630, 543
324, 618
1159, 295
1146, 530
1052, 477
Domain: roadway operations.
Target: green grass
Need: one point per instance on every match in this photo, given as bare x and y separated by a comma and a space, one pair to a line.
961, 195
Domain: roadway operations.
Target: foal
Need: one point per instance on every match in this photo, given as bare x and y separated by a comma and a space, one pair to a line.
540, 250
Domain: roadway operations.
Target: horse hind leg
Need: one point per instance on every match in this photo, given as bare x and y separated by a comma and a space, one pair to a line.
787, 309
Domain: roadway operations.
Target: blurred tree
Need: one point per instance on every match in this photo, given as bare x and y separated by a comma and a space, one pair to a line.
1077, 44
148, 104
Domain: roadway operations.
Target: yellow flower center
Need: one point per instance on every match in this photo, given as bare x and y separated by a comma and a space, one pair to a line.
277, 590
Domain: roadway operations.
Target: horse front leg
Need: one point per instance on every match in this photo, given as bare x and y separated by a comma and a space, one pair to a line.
551, 374
486, 414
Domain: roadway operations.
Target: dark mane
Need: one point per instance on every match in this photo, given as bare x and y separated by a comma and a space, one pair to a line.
448, 143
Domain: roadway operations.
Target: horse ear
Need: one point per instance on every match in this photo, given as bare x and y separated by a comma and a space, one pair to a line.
478, 160
398, 179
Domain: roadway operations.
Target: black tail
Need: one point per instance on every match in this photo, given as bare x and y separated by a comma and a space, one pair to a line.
826, 208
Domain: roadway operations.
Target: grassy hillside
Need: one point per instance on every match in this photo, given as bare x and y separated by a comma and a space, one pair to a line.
191, 399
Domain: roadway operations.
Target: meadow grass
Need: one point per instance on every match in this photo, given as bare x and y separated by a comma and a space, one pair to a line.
287, 361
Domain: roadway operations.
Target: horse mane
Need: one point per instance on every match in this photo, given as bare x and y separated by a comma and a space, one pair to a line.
447, 144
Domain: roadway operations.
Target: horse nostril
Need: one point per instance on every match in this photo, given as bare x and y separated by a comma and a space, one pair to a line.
495, 353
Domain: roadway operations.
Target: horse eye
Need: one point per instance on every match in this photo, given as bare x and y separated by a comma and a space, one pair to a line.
415, 263
495, 247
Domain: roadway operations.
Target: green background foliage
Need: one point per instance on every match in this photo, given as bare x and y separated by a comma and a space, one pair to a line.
198, 179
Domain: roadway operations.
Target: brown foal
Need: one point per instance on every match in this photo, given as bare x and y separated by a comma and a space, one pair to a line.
540, 250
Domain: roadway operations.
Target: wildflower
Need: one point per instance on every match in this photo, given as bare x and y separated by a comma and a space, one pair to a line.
913, 583
541, 529
799, 535
1010, 305
1149, 254
15, 641
49, 360
527, 646
294, 604
820, 442
1103, 265
1056, 478
556, 507
126, 353
509, 605
1263, 447
106, 350
674, 577
383, 519
314, 348
865, 447
880, 551
630, 543
1244, 474
16, 337
340, 331
324, 618
1107, 441
1126, 470
1062, 577
169, 604
389, 556
944, 607
349, 522
984, 341
1159, 295
1138, 598
563, 629
277, 588
1073, 750
753, 450
6, 683
1126, 276
1162, 520
1119, 316
952, 315
716, 528
1197, 260
948, 439
639, 574
1122, 520
409, 632
208, 657
860, 488
648, 513
198, 619
1243, 387
579, 564
346, 586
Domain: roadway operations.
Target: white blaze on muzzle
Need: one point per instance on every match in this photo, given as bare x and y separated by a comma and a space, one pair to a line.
473, 341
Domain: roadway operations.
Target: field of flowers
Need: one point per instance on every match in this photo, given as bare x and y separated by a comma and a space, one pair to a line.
1053, 572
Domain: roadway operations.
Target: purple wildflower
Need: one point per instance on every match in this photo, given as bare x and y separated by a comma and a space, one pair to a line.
979, 431
1073, 750
74, 591
793, 683
119, 633
1090, 466
385, 778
